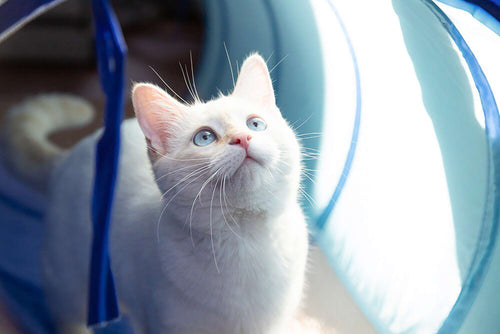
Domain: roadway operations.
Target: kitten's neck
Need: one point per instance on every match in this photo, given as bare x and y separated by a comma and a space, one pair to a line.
207, 218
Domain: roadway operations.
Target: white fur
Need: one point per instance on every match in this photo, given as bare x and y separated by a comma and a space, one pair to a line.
27, 126
226, 259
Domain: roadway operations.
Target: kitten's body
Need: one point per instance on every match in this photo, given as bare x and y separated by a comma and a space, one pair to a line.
207, 235
261, 271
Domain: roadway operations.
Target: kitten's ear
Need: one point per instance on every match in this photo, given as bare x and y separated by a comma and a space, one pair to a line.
254, 82
155, 110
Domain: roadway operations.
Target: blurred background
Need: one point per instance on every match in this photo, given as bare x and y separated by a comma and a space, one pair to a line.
55, 52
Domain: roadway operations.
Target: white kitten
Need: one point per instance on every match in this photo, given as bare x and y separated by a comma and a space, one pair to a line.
217, 244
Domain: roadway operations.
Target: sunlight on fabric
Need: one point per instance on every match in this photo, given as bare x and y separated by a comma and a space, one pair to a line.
392, 234
340, 99
484, 43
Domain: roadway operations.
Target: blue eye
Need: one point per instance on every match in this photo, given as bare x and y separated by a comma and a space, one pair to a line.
204, 137
256, 124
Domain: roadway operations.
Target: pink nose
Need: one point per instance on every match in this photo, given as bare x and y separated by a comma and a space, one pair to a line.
241, 139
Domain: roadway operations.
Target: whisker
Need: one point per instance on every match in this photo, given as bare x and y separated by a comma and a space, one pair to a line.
310, 149
309, 177
279, 170
194, 201
196, 171
230, 65
174, 159
301, 124
225, 203
166, 205
309, 133
272, 53
310, 153
307, 197
184, 160
186, 82
272, 69
165, 83
196, 98
310, 156
273, 194
192, 74
222, 208
178, 170
211, 229
309, 137
271, 174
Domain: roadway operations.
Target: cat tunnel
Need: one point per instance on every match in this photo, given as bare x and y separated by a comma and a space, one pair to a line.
394, 104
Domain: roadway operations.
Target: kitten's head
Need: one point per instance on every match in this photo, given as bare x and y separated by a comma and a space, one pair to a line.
234, 151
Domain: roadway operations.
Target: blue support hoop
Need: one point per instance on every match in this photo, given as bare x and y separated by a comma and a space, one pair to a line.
489, 228
111, 55
323, 217
15, 14
485, 11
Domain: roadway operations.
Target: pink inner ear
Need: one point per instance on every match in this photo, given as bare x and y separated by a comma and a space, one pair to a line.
254, 82
156, 111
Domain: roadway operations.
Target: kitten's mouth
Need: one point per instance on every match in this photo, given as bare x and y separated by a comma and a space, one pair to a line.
247, 160
250, 159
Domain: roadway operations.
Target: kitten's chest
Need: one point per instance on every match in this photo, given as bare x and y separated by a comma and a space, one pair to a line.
249, 276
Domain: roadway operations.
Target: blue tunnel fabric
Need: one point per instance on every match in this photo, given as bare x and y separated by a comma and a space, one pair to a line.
7, 200
491, 6
13, 14
486, 11
21, 211
489, 229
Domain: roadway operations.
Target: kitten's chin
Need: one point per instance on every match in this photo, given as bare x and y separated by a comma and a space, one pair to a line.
255, 188
248, 166
249, 163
